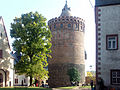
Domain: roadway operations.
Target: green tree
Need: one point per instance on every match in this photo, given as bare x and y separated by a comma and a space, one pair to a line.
74, 74
32, 40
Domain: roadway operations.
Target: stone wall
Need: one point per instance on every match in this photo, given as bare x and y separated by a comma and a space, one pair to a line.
67, 47
58, 74
107, 23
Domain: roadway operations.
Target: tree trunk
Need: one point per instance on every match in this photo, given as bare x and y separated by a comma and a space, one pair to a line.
31, 72
30, 80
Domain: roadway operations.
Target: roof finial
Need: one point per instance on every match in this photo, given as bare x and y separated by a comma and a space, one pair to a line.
66, 10
66, 1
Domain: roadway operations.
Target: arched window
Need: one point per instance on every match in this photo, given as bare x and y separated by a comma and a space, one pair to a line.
61, 25
69, 25
55, 26
76, 25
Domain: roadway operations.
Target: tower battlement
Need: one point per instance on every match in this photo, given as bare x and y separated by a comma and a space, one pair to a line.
67, 22
66, 19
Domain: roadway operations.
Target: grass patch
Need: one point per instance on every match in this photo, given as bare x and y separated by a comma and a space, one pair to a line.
71, 87
85, 87
39, 88
24, 88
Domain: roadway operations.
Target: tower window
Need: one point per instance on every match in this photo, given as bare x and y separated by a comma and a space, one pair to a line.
61, 25
76, 26
55, 26
69, 25
81, 28
112, 42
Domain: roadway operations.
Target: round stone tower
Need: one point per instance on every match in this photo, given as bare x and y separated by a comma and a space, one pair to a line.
67, 48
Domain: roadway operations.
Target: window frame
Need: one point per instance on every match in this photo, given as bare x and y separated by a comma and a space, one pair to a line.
16, 80
107, 41
111, 79
61, 25
54, 26
76, 27
69, 25
24, 80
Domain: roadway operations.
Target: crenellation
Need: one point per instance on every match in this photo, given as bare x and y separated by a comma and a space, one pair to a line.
67, 20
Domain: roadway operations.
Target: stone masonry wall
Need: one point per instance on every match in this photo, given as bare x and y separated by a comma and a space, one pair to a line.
107, 21
58, 74
67, 47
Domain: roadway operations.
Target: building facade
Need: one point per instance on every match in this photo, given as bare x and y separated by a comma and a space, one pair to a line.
107, 18
6, 60
8, 77
67, 48
19, 80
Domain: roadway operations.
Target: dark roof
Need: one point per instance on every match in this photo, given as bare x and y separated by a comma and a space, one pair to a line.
106, 2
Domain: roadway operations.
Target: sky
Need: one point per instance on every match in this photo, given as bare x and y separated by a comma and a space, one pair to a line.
9, 9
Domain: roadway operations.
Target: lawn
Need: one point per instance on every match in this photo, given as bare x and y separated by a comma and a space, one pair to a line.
73, 87
85, 87
67, 87
39, 88
25, 88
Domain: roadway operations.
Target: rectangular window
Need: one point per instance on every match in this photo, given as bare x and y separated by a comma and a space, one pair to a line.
115, 77
112, 42
24, 80
77, 27
16, 81
1, 54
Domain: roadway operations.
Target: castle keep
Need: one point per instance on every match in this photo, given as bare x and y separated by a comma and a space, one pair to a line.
67, 48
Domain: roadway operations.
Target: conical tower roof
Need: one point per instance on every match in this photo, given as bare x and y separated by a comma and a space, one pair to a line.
66, 11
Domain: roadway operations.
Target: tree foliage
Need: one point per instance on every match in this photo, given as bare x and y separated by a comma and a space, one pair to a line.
74, 74
91, 73
32, 40
90, 76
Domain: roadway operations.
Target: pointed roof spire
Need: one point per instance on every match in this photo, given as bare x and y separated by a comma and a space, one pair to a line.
66, 2
66, 10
